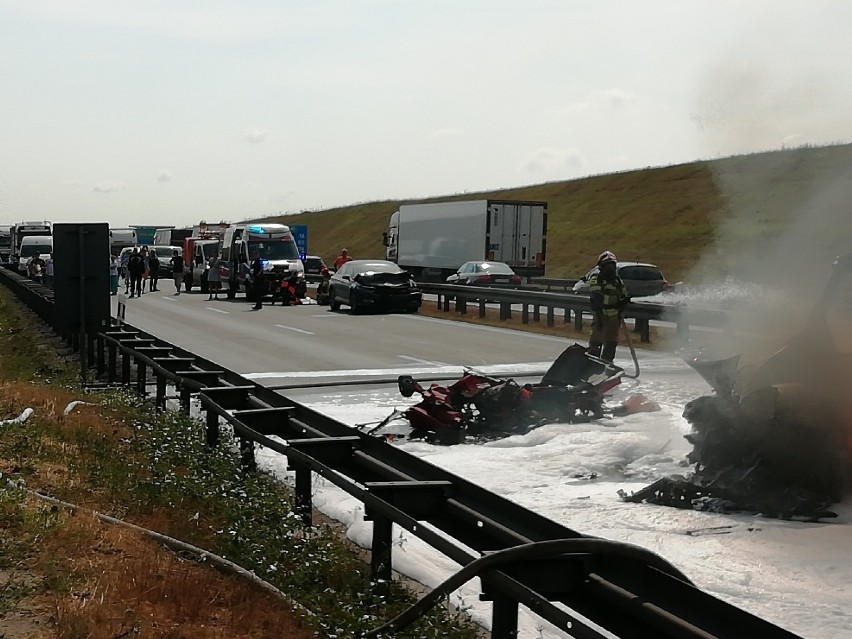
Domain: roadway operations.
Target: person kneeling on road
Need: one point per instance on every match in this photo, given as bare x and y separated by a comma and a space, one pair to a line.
323, 287
608, 298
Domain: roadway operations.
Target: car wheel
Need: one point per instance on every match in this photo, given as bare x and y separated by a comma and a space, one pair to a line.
354, 309
334, 305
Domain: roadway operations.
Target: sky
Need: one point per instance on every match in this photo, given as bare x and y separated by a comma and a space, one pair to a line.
173, 112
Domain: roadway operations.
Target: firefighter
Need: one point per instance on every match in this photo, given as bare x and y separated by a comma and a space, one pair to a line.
608, 297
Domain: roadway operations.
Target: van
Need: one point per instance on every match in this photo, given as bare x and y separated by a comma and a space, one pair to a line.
32, 244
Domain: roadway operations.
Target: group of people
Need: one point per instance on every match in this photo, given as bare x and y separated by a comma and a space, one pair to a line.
40, 269
140, 269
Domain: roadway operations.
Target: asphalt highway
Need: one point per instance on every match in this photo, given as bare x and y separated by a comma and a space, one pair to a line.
312, 340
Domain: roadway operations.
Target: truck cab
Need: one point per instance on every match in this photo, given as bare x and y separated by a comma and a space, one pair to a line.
275, 245
196, 252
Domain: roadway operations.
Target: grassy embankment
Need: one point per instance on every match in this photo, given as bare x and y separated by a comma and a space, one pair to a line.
67, 575
671, 216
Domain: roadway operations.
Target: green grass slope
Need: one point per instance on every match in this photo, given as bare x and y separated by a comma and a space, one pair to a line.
709, 212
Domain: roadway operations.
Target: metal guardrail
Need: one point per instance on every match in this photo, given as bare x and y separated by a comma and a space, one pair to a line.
458, 297
545, 566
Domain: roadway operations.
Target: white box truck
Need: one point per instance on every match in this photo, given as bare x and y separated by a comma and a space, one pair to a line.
433, 240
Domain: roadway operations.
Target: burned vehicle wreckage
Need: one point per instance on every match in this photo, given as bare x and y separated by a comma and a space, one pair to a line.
478, 407
776, 438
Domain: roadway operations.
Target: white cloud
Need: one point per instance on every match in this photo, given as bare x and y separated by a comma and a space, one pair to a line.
107, 186
553, 163
256, 136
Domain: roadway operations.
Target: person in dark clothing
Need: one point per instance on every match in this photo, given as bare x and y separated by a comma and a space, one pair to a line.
153, 270
258, 283
136, 269
177, 270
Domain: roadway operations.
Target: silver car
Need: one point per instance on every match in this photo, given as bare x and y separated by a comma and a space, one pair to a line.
641, 280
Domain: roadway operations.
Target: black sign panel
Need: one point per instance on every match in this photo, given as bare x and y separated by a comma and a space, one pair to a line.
81, 277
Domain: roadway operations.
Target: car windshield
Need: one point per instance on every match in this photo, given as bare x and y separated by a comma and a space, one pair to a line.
378, 267
494, 267
274, 250
28, 250
643, 273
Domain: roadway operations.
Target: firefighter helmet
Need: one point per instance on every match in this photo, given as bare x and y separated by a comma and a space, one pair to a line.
605, 257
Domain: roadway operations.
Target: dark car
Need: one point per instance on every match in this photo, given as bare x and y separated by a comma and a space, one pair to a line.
313, 267
482, 273
641, 280
373, 284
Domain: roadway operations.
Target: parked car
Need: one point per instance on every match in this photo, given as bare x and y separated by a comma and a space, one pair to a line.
376, 284
479, 273
313, 267
641, 280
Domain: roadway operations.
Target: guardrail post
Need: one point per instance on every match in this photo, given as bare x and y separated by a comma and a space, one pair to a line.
566, 318
461, 304
643, 326
446, 307
125, 368
578, 319
536, 313
505, 310
101, 360
303, 501
550, 316
141, 378
185, 396
112, 361
211, 430
160, 397
504, 618
380, 559
481, 308
525, 314
247, 460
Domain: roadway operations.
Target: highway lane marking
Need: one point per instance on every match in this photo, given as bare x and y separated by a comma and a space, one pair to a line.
290, 328
427, 362
168, 299
217, 310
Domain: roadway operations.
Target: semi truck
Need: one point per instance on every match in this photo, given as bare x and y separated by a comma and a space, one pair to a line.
5, 243
26, 229
121, 239
433, 240
274, 244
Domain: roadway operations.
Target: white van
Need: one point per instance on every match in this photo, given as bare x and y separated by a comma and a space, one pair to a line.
32, 244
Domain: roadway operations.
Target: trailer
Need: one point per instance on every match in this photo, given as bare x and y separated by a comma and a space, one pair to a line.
433, 240
121, 238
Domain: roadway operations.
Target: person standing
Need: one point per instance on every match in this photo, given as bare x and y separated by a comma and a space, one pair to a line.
146, 272
177, 270
114, 268
342, 259
258, 282
135, 268
608, 298
125, 273
48, 271
214, 278
154, 269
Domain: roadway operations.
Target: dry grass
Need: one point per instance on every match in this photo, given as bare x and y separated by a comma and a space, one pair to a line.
126, 585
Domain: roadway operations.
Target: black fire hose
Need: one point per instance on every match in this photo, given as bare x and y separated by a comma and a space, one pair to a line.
534, 550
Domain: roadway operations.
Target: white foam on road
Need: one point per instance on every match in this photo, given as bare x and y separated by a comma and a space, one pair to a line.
796, 575
529, 368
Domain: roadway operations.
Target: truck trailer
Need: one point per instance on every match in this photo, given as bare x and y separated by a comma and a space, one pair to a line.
433, 240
